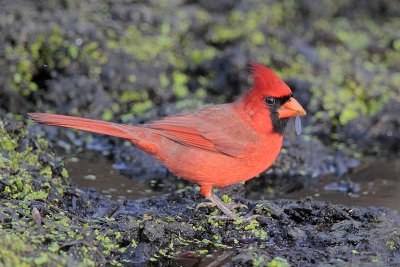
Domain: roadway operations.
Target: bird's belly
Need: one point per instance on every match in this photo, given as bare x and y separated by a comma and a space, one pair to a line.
220, 170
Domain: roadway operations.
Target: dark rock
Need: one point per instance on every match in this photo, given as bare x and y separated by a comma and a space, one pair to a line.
378, 133
153, 231
296, 233
142, 254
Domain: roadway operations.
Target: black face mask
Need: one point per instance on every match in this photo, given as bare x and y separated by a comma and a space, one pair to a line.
274, 104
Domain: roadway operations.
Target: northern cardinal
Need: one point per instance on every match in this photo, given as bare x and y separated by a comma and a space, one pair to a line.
216, 146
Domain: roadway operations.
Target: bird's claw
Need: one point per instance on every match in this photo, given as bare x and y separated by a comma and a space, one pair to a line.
205, 205
226, 208
222, 218
231, 206
250, 218
237, 206
227, 218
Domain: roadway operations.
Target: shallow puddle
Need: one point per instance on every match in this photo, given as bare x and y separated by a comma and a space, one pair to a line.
376, 184
93, 170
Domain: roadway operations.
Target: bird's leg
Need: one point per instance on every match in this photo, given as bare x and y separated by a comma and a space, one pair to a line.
229, 214
226, 208
206, 191
221, 205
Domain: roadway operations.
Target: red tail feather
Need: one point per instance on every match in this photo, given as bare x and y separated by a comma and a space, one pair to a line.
95, 126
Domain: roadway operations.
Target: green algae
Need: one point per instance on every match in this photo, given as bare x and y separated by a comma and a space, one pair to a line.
15, 250
278, 262
225, 198
392, 245
17, 164
263, 261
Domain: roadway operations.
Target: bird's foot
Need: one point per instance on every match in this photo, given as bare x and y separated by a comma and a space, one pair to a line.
230, 206
205, 205
234, 205
226, 208
235, 218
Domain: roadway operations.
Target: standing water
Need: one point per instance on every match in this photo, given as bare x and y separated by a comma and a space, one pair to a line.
376, 183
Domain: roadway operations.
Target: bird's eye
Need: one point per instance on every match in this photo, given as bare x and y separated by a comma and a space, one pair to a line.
270, 101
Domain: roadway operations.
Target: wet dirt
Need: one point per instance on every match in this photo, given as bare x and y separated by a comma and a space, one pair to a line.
304, 233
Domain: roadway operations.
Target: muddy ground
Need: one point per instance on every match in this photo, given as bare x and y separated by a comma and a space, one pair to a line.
47, 221
132, 62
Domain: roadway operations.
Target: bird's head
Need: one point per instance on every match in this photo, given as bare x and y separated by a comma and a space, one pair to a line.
271, 96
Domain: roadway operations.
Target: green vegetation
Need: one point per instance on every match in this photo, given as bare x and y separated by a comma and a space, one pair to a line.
350, 62
278, 262
391, 245
18, 163
33, 178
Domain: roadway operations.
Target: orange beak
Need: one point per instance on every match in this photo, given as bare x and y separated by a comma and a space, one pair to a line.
291, 108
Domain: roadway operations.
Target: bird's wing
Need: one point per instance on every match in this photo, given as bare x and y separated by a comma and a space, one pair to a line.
218, 129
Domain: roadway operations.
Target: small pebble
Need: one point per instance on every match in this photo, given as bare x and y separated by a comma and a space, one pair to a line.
37, 217
90, 177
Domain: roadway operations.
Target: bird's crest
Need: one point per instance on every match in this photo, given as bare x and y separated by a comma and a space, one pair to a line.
267, 82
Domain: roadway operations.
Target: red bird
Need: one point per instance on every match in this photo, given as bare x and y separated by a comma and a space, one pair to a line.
216, 146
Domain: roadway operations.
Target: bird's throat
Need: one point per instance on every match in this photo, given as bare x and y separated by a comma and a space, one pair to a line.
278, 125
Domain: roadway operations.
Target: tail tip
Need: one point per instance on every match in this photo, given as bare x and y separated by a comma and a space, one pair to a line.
34, 116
